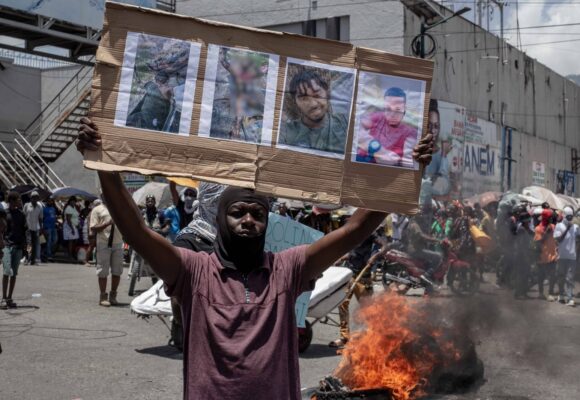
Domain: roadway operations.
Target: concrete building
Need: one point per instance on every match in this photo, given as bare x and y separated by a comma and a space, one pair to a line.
521, 118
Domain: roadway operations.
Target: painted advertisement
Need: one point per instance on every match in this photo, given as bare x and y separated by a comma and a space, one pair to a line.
442, 178
565, 183
538, 173
481, 157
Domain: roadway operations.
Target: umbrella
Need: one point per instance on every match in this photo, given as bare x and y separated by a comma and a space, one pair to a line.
159, 190
569, 201
25, 190
65, 192
484, 199
546, 195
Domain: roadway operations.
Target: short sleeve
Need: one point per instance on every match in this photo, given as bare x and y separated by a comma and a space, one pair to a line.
189, 274
291, 262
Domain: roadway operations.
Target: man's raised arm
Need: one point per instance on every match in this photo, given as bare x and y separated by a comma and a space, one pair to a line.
161, 255
321, 254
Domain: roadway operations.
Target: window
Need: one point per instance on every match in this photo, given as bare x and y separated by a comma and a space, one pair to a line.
335, 28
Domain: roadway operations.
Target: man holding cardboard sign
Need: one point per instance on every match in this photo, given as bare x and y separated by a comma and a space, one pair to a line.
238, 304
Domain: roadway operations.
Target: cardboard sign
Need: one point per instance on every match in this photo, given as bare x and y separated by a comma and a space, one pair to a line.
288, 115
284, 233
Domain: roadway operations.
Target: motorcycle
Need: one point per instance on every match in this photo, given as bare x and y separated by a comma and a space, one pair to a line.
402, 272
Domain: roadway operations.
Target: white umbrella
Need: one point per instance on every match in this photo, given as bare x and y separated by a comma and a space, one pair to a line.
544, 194
569, 201
159, 190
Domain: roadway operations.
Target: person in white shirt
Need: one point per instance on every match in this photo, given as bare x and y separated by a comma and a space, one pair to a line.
109, 253
34, 214
566, 234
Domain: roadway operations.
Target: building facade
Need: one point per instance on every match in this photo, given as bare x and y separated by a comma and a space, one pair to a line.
507, 121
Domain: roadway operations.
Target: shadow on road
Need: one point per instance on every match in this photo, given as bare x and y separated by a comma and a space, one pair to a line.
162, 351
318, 350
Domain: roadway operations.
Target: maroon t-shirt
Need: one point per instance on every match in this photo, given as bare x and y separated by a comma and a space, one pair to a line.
240, 335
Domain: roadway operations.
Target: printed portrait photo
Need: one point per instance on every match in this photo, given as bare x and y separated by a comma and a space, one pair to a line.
316, 108
239, 95
389, 119
157, 83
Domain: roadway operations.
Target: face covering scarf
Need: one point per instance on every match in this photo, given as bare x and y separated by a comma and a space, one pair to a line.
204, 221
233, 251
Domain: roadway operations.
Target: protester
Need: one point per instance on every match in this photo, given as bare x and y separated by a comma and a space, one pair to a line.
70, 226
238, 303
400, 222
185, 206
199, 235
521, 259
34, 214
109, 254
566, 234
171, 223
14, 242
548, 254
49, 221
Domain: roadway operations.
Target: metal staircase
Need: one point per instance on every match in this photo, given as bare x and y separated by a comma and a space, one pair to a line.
48, 136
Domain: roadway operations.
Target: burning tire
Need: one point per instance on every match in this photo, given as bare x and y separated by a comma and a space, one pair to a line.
305, 337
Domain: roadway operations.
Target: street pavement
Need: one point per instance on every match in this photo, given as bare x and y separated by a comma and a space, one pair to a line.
63, 346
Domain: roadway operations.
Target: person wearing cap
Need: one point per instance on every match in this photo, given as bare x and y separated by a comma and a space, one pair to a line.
566, 234
34, 216
184, 204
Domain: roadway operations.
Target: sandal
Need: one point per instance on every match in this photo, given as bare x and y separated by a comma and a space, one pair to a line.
338, 343
3, 305
10, 303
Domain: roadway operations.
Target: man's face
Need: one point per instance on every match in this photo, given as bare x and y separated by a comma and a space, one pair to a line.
312, 101
247, 219
434, 125
150, 202
16, 203
394, 110
34, 200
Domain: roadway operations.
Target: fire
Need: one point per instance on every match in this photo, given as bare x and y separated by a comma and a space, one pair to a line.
399, 349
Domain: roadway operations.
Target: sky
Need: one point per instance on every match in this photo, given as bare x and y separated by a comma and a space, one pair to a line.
561, 57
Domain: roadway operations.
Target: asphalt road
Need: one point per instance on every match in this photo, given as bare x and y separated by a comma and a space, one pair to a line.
63, 346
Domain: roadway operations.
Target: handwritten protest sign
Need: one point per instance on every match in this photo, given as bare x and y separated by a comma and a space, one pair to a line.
284, 233
291, 116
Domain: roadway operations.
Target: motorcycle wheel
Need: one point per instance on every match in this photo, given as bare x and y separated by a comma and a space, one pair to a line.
305, 337
463, 282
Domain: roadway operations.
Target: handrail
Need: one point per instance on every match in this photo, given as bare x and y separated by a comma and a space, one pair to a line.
39, 181
34, 163
16, 173
75, 76
42, 160
48, 118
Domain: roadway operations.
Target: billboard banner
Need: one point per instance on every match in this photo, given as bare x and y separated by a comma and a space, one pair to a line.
442, 178
565, 183
538, 173
481, 157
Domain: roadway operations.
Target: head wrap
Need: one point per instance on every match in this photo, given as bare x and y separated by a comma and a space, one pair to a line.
204, 221
234, 251
546, 216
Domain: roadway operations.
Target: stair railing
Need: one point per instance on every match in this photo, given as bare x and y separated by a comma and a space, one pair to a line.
50, 174
47, 120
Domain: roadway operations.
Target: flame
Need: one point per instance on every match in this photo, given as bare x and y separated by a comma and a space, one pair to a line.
398, 349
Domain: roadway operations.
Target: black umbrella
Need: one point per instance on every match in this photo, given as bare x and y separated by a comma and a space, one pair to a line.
25, 190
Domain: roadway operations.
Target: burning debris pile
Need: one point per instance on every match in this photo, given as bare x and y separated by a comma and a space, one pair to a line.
410, 349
